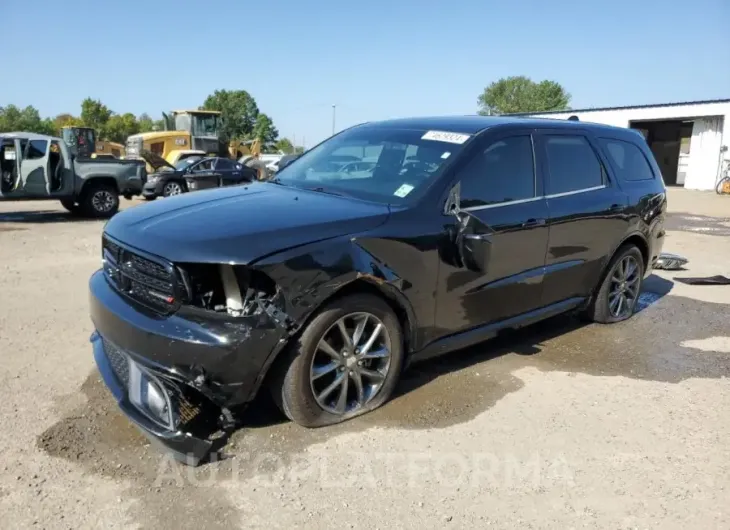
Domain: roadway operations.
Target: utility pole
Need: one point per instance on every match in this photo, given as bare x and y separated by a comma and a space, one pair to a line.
333, 119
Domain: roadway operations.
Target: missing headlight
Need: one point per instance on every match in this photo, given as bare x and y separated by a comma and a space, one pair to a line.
236, 290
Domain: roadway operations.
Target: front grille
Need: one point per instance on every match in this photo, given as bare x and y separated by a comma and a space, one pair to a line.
118, 361
147, 281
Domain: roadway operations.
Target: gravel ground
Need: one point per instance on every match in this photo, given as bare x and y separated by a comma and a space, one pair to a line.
562, 426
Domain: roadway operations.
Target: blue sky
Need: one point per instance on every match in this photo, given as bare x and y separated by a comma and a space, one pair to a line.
374, 60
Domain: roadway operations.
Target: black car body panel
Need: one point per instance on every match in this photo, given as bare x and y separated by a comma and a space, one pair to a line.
454, 279
248, 221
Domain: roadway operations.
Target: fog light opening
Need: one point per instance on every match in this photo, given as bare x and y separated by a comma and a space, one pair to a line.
148, 394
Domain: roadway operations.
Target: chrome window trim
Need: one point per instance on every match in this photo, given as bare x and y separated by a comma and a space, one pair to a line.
575, 192
532, 199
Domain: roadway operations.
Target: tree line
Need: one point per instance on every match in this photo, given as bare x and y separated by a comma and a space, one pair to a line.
241, 115
244, 121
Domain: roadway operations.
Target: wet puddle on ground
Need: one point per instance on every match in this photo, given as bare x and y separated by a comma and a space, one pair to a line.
432, 395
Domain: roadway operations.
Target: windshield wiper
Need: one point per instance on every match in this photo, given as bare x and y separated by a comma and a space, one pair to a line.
321, 189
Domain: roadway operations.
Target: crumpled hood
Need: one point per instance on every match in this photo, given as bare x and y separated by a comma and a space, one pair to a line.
240, 224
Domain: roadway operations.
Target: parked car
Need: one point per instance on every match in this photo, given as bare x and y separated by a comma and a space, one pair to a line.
321, 288
192, 173
38, 167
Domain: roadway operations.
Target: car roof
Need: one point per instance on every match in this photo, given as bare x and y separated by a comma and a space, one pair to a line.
27, 135
473, 124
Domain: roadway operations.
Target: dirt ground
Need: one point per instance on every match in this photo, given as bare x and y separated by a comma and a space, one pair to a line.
562, 426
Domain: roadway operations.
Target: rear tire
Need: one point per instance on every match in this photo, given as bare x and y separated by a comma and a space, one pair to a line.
620, 285
100, 201
307, 368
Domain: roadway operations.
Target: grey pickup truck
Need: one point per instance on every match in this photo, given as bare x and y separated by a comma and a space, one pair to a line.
39, 167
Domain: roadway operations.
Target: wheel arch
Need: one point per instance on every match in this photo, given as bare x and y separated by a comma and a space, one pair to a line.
360, 285
179, 180
637, 239
95, 180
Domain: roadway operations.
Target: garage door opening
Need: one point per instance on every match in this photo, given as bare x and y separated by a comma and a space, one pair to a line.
685, 148
670, 141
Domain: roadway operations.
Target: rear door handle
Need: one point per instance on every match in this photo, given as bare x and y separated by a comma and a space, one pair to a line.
533, 222
616, 207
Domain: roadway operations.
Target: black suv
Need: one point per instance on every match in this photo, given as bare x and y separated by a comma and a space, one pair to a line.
321, 284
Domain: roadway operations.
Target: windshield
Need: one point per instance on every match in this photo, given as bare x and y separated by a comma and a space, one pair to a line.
185, 162
206, 124
378, 164
182, 122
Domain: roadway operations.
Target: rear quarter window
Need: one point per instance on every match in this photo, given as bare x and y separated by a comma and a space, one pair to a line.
629, 161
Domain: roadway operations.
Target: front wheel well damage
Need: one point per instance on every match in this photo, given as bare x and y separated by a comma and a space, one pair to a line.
357, 286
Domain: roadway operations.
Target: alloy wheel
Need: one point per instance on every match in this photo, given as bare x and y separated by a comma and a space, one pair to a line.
624, 290
102, 201
351, 363
172, 188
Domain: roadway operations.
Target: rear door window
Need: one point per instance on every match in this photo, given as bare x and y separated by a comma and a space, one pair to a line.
503, 172
572, 164
630, 163
223, 164
36, 149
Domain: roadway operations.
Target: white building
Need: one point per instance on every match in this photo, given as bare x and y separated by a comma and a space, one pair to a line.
689, 140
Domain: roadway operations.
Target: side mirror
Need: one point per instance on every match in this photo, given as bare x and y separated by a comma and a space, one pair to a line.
473, 249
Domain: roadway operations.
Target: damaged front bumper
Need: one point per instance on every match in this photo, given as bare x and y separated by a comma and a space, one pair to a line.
184, 446
176, 377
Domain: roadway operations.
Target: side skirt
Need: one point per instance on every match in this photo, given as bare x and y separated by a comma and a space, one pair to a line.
473, 336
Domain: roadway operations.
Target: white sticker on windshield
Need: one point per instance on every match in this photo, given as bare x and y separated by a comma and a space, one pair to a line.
446, 155
444, 136
404, 190
9, 155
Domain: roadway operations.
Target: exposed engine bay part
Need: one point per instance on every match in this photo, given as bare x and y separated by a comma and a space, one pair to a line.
237, 290
670, 262
234, 304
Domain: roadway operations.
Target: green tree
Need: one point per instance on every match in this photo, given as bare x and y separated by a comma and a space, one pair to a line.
95, 114
13, 118
65, 120
146, 123
238, 109
521, 94
285, 145
120, 127
264, 129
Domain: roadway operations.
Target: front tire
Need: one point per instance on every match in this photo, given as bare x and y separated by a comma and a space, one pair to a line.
619, 292
172, 188
100, 201
346, 362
